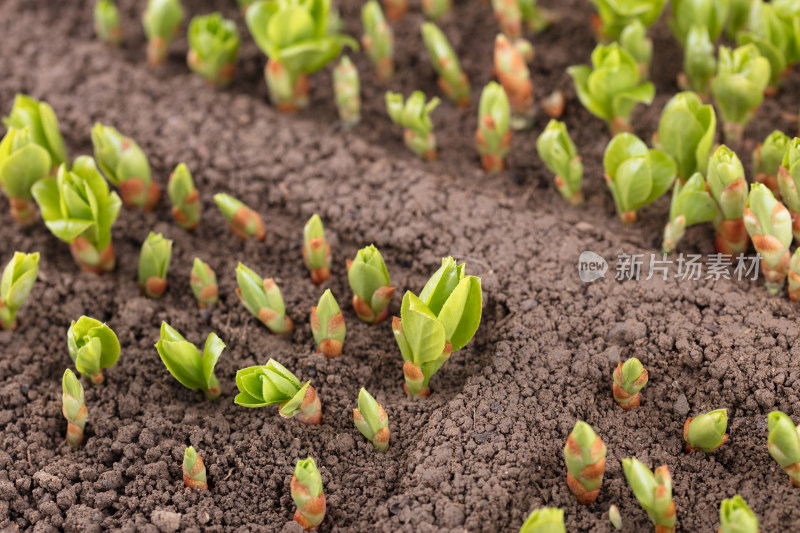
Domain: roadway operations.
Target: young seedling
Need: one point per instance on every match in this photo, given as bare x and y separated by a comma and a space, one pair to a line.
22, 163
585, 455
106, 22
203, 281
725, 180
316, 250
710, 14
347, 88
738, 88
514, 76
371, 420
436, 9
769, 225
629, 378
92, 346
558, 152
493, 136
553, 104
635, 41
545, 520
452, 80
613, 15
612, 87
194, 471
691, 204
706, 432
185, 362
767, 159
78, 209
614, 517
699, 63
440, 321
327, 325
263, 299
307, 494
16, 285
126, 167
789, 183
73, 408
783, 444
654, 492
154, 262
735, 516
161, 21
378, 39
213, 48
510, 15
635, 175
415, 117
184, 197
243, 221
536, 18
395, 9
371, 285
686, 131
272, 384
298, 40
775, 37
40, 118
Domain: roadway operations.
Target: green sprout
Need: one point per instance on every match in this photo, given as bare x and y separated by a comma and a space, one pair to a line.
794, 276
614, 15
710, 14
691, 204
706, 432
544, 520
263, 299
775, 37
243, 221
637, 176
452, 80
738, 88
440, 321
22, 163
415, 117
73, 408
536, 18
585, 455
297, 38
612, 87
783, 444
493, 136
378, 39
185, 362
514, 76
369, 279
213, 48
735, 516
16, 285
654, 492
558, 152
686, 131
154, 262
272, 384
194, 471
203, 281
327, 325
126, 167
395, 9
371, 420
93, 346
316, 250
767, 159
307, 494
725, 180
789, 183
508, 14
629, 379
614, 517
184, 197
43, 124
161, 21
78, 209
769, 225
436, 9
635, 41
699, 63
106, 22
347, 89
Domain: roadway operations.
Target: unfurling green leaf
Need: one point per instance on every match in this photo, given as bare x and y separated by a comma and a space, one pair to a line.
307, 494
263, 299
93, 346
775, 35
415, 116
213, 48
194, 471
271, 384
654, 492
545, 520
154, 262
767, 159
184, 197
556, 149
378, 39
203, 281
686, 131
73, 408
614, 15
185, 362
691, 204
585, 456
16, 284
243, 221
706, 432
371, 420
371, 285
629, 378
783, 444
513, 74
736, 517
769, 225
106, 22
161, 21
634, 39
347, 89
710, 14
493, 136
789, 183
699, 63
452, 80
316, 250
22, 163
327, 325
42, 122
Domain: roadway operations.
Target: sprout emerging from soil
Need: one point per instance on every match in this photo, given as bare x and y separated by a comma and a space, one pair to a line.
614, 517
93, 346
774, 34
263, 298
371, 285
154, 261
126, 167
307, 494
438, 322
794, 276
106, 22
691, 204
699, 63
585, 455
513, 74
686, 131
203, 281
706, 432
22, 163
630, 377
243, 221
452, 79
725, 180
271, 384
508, 14
213, 48
789, 183
545, 520
493, 136
16, 285
316, 250
613, 15
654, 492
735, 516
635, 175
784, 444
185, 362
536, 18
558, 152
415, 117
371, 420
184, 197
298, 39
327, 325
612, 87
635, 41
710, 14
395, 9
767, 159
194, 471
78, 208
378, 39
769, 225
347, 89
161, 21
73, 408
40, 118
436, 9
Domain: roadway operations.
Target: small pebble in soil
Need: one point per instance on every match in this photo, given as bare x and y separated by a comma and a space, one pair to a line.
47, 481
682, 405
166, 521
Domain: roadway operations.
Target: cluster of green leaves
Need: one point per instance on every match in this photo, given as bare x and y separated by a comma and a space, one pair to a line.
415, 116
614, 15
556, 149
42, 123
213, 48
92, 346
126, 166
769, 225
22, 163
185, 362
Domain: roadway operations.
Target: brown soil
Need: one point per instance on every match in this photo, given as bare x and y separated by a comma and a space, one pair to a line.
485, 449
